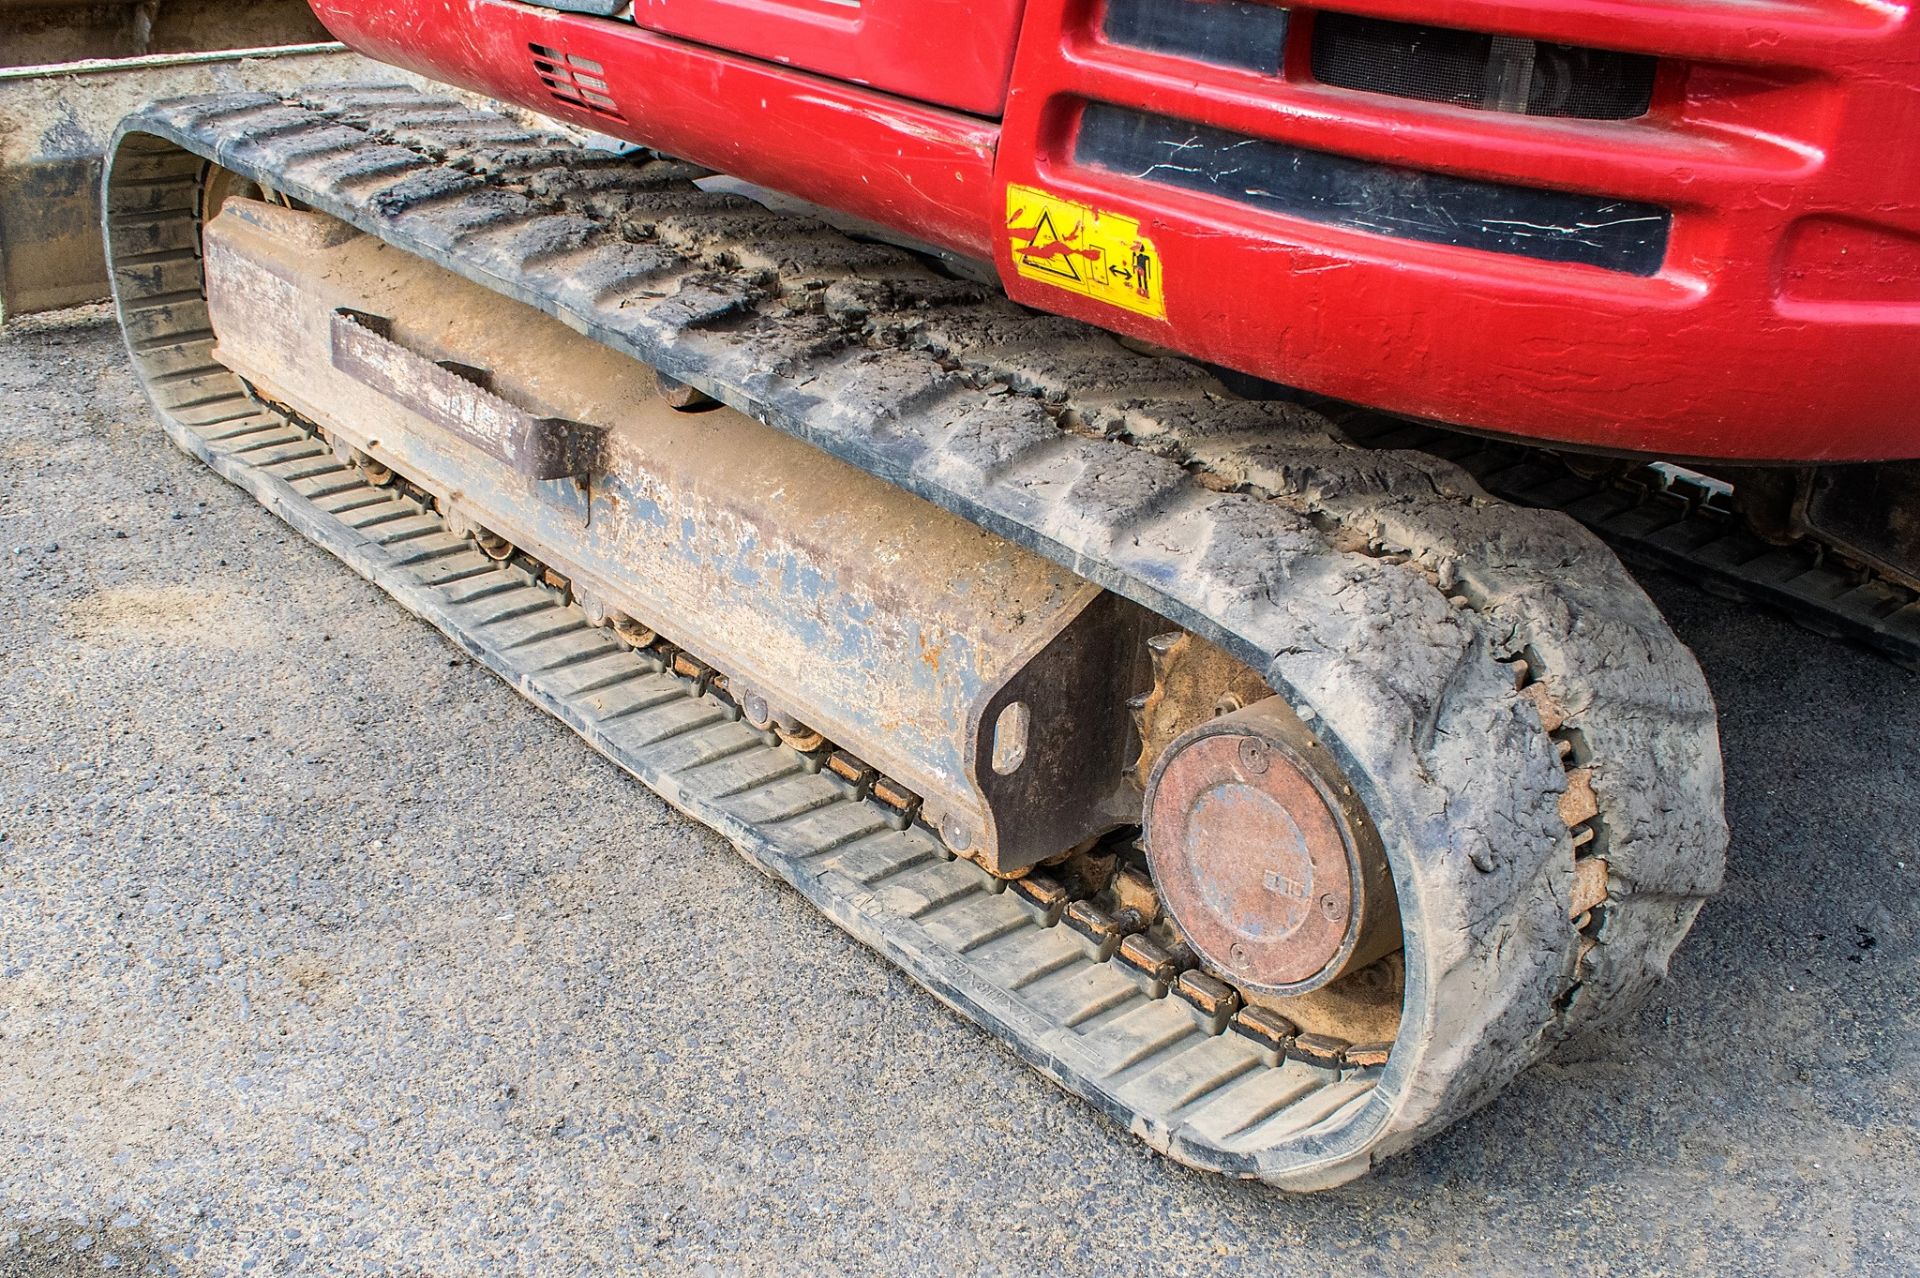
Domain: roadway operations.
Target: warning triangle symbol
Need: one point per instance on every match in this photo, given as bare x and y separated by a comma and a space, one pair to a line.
1048, 252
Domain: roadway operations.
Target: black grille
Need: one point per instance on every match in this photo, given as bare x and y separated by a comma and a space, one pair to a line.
1227, 32
575, 81
1468, 68
1554, 226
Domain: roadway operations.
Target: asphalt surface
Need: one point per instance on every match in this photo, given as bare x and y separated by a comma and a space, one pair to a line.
321, 951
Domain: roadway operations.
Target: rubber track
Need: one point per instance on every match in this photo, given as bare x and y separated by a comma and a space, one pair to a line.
1381, 592
1670, 520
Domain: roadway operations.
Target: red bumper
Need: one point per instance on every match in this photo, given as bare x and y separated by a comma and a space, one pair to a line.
1777, 317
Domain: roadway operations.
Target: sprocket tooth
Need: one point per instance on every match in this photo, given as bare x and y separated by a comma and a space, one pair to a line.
1163, 648
1139, 709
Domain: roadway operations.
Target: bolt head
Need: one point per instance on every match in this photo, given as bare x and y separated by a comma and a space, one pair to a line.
1332, 907
1253, 755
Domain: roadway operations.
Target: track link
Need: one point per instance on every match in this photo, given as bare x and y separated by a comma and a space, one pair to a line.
1435, 639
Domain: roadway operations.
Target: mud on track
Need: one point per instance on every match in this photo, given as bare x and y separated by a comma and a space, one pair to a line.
317, 948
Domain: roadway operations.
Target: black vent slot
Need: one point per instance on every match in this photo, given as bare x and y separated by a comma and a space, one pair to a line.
1472, 69
1554, 226
578, 82
1228, 32
596, 8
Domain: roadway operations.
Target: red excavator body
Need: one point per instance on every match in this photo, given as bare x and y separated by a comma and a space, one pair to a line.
1685, 228
1271, 762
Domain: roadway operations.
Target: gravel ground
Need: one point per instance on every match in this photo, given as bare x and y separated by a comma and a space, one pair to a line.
320, 950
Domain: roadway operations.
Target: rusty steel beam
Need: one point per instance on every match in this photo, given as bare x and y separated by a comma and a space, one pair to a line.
989, 682
458, 398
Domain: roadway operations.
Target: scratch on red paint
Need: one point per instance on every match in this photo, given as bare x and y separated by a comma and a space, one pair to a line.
1028, 232
1059, 246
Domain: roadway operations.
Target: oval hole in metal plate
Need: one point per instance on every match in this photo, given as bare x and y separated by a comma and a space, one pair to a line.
1010, 737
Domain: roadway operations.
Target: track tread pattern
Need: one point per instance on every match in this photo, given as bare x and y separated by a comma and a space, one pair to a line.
1669, 522
1382, 592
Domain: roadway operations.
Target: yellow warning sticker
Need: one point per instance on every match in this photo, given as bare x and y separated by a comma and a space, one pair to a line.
1083, 250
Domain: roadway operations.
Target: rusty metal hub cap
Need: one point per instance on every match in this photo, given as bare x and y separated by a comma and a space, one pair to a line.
1260, 865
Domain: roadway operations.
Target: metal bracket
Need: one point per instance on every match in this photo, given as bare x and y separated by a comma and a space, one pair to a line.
460, 399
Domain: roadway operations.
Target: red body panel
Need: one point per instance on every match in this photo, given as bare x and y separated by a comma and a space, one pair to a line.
883, 44
878, 157
1783, 324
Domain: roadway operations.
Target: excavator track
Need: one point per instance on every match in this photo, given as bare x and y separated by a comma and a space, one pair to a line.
1537, 752
1676, 520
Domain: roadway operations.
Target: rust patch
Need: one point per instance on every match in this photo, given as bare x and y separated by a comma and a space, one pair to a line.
1589, 885
896, 796
1578, 803
1366, 1055
1318, 1049
1046, 898
1552, 717
1132, 891
1193, 681
1212, 1000
1151, 960
1268, 878
1265, 1027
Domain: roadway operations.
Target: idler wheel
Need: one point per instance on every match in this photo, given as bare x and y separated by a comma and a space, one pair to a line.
1264, 857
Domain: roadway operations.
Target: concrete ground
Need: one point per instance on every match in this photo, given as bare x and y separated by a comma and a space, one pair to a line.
321, 951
